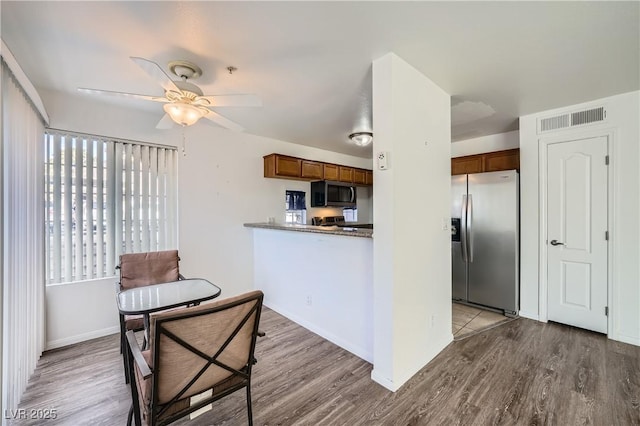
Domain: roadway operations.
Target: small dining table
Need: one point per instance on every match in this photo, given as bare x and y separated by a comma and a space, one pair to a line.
159, 297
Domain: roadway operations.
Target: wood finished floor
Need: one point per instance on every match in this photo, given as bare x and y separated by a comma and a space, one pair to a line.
519, 373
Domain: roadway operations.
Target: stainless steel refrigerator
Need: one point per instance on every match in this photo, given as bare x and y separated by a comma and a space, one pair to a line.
485, 240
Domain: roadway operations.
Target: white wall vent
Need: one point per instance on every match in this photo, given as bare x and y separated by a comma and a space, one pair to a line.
588, 116
555, 123
572, 119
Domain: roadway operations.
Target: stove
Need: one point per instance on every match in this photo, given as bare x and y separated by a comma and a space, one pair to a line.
338, 221
328, 221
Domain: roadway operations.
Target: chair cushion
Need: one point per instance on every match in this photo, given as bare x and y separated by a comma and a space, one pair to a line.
144, 389
133, 322
142, 269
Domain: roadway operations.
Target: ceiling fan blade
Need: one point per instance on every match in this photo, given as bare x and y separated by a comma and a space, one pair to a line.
122, 94
232, 100
223, 121
157, 73
165, 122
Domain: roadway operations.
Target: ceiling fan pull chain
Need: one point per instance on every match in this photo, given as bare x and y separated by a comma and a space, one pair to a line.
184, 143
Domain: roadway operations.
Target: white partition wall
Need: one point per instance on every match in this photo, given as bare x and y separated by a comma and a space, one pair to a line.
411, 246
322, 282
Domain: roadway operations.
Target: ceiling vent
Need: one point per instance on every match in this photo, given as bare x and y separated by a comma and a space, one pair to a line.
572, 119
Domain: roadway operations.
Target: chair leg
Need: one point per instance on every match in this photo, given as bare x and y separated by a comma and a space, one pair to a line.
122, 332
249, 412
123, 349
130, 415
134, 410
125, 363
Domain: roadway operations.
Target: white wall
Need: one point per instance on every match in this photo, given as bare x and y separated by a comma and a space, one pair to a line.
497, 142
221, 186
412, 261
623, 126
80, 311
334, 271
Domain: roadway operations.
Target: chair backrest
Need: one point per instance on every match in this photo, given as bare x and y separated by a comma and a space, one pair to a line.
210, 346
142, 269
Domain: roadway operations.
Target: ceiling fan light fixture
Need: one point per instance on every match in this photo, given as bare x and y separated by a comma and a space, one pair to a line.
361, 138
183, 113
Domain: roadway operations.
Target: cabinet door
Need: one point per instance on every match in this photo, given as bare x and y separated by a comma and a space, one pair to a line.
287, 166
312, 170
359, 176
502, 160
468, 164
330, 172
345, 174
369, 177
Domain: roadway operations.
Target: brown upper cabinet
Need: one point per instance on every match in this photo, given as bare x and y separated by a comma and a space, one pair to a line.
488, 162
468, 164
286, 167
345, 174
282, 166
369, 177
331, 172
502, 160
360, 176
312, 170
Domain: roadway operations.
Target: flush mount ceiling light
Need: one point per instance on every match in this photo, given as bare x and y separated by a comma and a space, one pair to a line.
361, 138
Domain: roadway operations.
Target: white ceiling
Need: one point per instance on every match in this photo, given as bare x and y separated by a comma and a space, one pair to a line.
310, 62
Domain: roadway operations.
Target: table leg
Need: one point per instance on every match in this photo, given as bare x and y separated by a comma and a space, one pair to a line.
145, 343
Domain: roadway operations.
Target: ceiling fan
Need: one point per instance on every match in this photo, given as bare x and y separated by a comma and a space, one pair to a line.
184, 102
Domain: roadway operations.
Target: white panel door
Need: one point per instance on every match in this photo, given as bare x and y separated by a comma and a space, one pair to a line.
576, 233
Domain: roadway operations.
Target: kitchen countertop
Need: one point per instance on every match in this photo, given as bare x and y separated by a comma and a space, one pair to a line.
330, 230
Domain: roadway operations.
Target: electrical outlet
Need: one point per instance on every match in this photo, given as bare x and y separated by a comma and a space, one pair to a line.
433, 320
309, 301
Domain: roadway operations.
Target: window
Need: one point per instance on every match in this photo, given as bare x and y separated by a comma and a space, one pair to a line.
295, 206
105, 197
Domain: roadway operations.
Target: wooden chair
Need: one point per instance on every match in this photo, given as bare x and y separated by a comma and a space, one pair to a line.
142, 269
192, 350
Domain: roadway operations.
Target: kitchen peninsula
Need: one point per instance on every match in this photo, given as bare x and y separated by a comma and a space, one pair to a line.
319, 277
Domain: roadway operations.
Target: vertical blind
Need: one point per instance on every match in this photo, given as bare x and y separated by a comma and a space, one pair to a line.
105, 197
22, 263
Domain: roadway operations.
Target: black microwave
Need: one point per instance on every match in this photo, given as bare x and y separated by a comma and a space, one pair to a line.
332, 194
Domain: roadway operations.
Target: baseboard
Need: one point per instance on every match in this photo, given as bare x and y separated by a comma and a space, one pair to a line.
632, 340
394, 385
383, 381
356, 350
54, 344
529, 315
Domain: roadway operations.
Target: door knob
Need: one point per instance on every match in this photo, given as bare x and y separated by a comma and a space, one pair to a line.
556, 243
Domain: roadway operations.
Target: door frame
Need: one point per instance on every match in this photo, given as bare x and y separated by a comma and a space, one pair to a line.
543, 289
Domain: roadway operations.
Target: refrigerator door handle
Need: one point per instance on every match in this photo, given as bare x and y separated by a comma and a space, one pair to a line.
470, 226
463, 229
